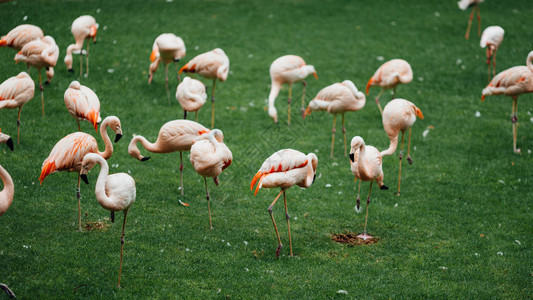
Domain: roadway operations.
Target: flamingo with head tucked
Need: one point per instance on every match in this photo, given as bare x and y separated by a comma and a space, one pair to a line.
82, 104
284, 169
463, 5
209, 157
191, 95
512, 82
68, 153
15, 92
213, 64
20, 36
178, 135
491, 39
287, 69
388, 76
83, 28
337, 98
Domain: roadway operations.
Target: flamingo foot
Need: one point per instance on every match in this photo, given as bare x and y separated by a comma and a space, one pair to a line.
365, 236
409, 159
278, 251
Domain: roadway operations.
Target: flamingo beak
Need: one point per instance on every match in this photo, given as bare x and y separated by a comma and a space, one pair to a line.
84, 178
9, 143
316, 75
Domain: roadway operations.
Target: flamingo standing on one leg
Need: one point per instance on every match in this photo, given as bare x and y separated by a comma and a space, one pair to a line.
287, 69
42, 53
365, 162
463, 5
338, 98
82, 104
83, 28
21, 35
284, 169
213, 64
68, 153
512, 82
191, 95
209, 157
115, 192
389, 75
15, 92
6, 195
399, 115
491, 38
167, 48
178, 135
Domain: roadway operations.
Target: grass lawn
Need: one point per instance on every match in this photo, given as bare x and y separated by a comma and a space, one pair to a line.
461, 228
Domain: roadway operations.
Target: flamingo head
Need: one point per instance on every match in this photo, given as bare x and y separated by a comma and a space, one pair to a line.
89, 161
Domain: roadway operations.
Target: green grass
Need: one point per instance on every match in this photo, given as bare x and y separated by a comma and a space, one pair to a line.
466, 198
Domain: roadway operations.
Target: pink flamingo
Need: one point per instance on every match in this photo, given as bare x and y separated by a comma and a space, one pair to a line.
287, 69
68, 153
209, 157
491, 38
284, 169
115, 192
167, 48
82, 104
512, 82
337, 98
213, 64
6, 195
463, 5
389, 75
21, 35
42, 53
15, 92
399, 115
365, 163
191, 95
83, 28
178, 135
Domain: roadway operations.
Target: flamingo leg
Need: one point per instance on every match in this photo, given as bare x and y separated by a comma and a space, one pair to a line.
18, 126
213, 104
467, 34
181, 172
78, 195
166, 83
41, 87
377, 101
78, 122
177, 71
122, 246
333, 134
208, 204
288, 217
81, 61
357, 200
514, 119
344, 134
478, 21
400, 168
274, 222
289, 105
409, 159
302, 110
364, 235
7, 290
87, 58
184, 114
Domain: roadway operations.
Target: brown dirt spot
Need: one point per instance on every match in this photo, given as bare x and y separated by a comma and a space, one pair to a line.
89, 226
351, 239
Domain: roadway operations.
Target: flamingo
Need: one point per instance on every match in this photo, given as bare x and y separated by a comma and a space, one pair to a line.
82, 104
491, 38
399, 115
21, 35
167, 48
284, 169
178, 135
40, 53
191, 95
6, 195
213, 64
4, 138
388, 76
365, 163
68, 153
115, 192
83, 28
209, 157
287, 69
463, 5
15, 92
337, 98
512, 82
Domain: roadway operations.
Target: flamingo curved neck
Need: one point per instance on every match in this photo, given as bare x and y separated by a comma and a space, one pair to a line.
107, 141
152, 147
392, 147
363, 170
274, 91
6, 195
529, 62
99, 191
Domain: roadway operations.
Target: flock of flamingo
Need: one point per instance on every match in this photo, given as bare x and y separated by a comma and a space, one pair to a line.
79, 151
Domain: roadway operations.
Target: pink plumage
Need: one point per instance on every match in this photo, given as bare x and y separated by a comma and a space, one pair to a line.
7, 193
464, 4
82, 104
491, 39
389, 75
191, 95
15, 92
21, 35
83, 28
167, 48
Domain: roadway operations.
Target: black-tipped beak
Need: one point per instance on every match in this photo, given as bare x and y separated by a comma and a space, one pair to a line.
94, 42
352, 157
118, 137
9, 143
84, 178
145, 158
176, 59
384, 187
71, 71
47, 82
47, 68
314, 178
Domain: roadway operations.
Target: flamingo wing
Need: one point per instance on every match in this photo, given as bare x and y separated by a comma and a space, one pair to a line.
14, 88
